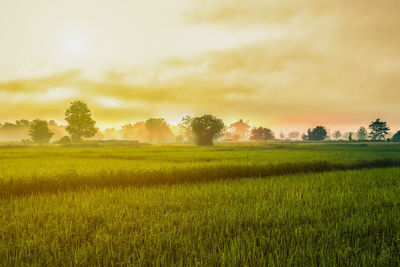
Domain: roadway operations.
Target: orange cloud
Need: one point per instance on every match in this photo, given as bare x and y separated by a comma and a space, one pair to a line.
334, 63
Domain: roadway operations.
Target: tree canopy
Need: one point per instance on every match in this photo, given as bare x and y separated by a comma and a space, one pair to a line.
379, 130
158, 130
207, 128
362, 134
80, 122
39, 131
293, 135
337, 135
319, 133
261, 133
185, 128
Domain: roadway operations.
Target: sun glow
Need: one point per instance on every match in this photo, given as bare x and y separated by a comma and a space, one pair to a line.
76, 44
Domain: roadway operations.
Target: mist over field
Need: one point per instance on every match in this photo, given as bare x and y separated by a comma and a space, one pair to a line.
199, 133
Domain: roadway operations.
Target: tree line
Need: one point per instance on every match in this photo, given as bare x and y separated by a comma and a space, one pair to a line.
379, 131
202, 130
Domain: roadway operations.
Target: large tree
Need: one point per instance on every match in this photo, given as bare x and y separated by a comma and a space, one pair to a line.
362, 134
39, 131
319, 133
379, 130
80, 122
207, 128
261, 133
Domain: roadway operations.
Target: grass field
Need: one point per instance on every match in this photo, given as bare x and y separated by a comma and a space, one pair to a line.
243, 204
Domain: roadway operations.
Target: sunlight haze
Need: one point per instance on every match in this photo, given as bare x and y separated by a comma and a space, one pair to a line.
283, 64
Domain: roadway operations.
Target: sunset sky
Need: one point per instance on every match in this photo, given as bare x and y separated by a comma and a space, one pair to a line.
280, 64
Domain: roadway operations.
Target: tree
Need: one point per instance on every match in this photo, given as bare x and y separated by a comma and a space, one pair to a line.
22, 123
111, 134
141, 131
282, 136
185, 128
158, 130
137, 131
304, 137
379, 130
396, 137
337, 135
128, 132
261, 133
15, 131
362, 134
293, 135
80, 122
207, 128
9, 126
319, 133
39, 131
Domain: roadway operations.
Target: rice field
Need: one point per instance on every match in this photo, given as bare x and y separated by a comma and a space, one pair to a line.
277, 204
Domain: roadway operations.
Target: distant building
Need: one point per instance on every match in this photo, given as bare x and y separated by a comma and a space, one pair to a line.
239, 130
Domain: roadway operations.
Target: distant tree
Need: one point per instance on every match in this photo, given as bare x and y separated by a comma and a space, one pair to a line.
80, 122
379, 130
207, 128
99, 135
350, 136
9, 126
304, 137
261, 133
158, 130
185, 128
239, 130
362, 134
128, 132
141, 131
337, 135
396, 137
22, 123
319, 133
111, 134
15, 131
293, 135
58, 130
39, 131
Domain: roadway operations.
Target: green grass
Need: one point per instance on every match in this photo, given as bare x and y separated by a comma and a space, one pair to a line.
52, 169
184, 205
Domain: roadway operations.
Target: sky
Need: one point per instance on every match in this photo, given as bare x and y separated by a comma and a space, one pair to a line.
286, 65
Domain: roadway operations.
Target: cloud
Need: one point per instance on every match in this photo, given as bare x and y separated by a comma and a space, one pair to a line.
250, 12
40, 84
334, 63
